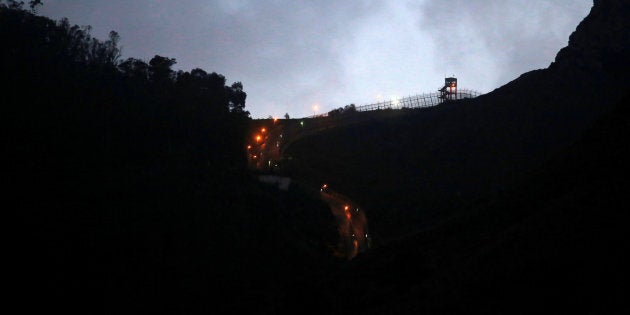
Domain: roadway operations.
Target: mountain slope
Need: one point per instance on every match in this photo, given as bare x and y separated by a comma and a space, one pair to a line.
513, 202
411, 170
555, 242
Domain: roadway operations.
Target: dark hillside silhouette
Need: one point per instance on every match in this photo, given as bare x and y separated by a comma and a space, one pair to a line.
412, 169
554, 242
130, 184
132, 193
510, 203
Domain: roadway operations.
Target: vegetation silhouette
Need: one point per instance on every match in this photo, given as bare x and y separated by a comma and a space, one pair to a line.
132, 191
131, 184
348, 109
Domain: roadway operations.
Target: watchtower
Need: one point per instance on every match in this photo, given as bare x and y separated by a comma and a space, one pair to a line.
449, 90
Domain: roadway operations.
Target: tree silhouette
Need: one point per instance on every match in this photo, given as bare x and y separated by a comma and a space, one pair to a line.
135, 69
33, 4
160, 71
237, 98
348, 109
130, 169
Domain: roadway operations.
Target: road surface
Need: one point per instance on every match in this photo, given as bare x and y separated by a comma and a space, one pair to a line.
351, 224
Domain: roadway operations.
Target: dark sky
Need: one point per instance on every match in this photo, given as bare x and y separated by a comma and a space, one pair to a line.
293, 55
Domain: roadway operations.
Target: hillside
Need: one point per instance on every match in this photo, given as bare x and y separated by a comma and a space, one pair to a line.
410, 169
132, 191
130, 186
554, 242
508, 203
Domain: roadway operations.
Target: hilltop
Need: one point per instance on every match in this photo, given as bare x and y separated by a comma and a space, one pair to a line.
506, 203
413, 167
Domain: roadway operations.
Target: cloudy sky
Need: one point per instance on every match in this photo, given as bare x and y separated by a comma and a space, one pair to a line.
293, 55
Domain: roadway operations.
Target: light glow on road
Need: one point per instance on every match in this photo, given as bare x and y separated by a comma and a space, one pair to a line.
352, 225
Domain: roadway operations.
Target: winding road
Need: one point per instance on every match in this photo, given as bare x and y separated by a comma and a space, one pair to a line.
351, 224
265, 150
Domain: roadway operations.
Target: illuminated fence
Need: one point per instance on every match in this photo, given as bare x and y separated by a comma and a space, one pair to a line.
416, 101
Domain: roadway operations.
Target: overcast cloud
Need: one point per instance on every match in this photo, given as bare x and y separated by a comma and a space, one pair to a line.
291, 55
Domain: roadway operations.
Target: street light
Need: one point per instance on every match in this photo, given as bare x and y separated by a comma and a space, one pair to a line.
324, 188
315, 109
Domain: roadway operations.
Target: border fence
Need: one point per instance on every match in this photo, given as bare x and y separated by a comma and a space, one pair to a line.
416, 101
